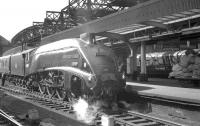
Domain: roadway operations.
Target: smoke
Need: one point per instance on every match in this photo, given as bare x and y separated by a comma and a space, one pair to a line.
84, 111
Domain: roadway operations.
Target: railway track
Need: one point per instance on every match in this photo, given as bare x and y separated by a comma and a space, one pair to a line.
8, 120
137, 119
126, 118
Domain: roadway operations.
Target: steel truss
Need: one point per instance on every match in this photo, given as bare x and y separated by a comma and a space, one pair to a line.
76, 13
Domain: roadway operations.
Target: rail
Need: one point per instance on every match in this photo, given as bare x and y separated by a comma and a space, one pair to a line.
127, 118
6, 119
137, 119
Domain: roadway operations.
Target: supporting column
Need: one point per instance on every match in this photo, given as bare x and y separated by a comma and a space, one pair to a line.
143, 74
132, 63
188, 43
135, 72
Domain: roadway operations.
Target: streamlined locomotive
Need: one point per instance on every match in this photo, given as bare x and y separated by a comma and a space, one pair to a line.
65, 69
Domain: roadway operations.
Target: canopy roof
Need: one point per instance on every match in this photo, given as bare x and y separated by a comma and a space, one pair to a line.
3, 41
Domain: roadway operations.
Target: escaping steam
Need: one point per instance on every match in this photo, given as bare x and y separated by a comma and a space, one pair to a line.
84, 111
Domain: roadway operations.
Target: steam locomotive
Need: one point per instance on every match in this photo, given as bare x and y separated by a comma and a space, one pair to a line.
65, 69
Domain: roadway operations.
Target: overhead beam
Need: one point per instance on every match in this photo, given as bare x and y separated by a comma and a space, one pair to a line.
143, 12
155, 24
110, 35
116, 36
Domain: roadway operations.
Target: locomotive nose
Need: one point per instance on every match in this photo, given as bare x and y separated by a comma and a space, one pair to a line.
110, 86
110, 89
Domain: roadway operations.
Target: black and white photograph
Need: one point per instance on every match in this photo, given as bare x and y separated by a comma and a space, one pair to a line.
100, 63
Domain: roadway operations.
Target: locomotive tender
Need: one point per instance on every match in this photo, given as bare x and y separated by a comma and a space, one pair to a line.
65, 69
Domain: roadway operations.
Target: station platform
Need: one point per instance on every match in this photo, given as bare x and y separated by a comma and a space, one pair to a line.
165, 89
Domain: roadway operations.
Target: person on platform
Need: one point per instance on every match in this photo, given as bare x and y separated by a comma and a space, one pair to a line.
184, 67
188, 58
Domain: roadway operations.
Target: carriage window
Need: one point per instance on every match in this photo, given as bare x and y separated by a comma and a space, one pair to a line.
76, 86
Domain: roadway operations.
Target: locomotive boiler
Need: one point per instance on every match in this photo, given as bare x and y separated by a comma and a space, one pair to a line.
65, 69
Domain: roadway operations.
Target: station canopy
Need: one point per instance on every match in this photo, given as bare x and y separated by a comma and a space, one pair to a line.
138, 22
4, 41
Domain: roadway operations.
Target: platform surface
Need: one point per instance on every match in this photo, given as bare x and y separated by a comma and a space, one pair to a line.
169, 91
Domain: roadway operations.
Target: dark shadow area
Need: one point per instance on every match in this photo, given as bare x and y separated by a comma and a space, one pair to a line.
132, 101
133, 88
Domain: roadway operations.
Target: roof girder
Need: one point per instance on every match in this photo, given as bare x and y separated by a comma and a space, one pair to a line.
111, 35
134, 15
